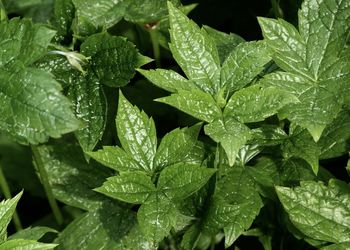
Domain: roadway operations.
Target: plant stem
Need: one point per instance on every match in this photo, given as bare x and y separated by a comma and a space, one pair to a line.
276, 9
3, 15
6, 191
45, 182
156, 47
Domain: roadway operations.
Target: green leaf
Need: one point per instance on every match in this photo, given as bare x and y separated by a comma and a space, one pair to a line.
113, 58
21, 244
195, 103
315, 68
100, 229
175, 146
243, 64
21, 40
137, 133
230, 133
7, 208
71, 177
32, 233
133, 187
168, 80
91, 14
194, 51
334, 141
90, 106
64, 11
115, 158
182, 180
156, 217
225, 43
320, 212
301, 145
136, 240
255, 103
340, 246
147, 11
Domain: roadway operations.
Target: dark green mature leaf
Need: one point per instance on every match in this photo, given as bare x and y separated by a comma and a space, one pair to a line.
21, 244
335, 140
115, 158
182, 180
32, 233
71, 177
147, 11
255, 103
102, 229
175, 146
301, 145
230, 133
156, 217
21, 40
90, 106
64, 11
243, 64
168, 80
91, 14
320, 212
113, 58
136, 240
137, 133
194, 51
317, 72
225, 43
7, 208
132, 187
195, 102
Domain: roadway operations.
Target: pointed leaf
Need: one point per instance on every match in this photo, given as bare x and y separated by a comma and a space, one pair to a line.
19, 244
195, 103
340, 246
243, 64
7, 208
168, 80
231, 134
320, 212
175, 146
137, 133
113, 58
32, 233
133, 187
255, 103
90, 106
156, 217
115, 158
182, 180
194, 51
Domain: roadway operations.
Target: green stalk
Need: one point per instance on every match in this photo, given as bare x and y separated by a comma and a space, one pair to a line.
276, 9
3, 15
6, 191
156, 47
45, 182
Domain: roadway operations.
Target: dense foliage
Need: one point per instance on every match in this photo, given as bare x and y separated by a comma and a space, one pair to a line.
126, 125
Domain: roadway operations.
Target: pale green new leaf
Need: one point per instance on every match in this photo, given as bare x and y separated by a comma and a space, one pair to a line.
113, 58
230, 133
32, 233
7, 208
301, 145
255, 103
175, 146
168, 80
132, 187
21, 244
320, 212
194, 51
137, 133
195, 103
115, 158
21, 40
156, 217
243, 64
182, 180
316, 67
89, 104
